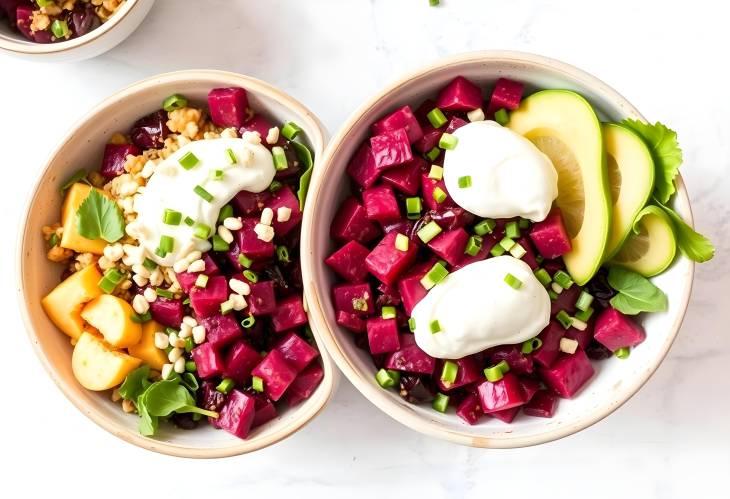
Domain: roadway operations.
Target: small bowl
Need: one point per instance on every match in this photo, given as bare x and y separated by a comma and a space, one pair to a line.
83, 147
615, 381
107, 36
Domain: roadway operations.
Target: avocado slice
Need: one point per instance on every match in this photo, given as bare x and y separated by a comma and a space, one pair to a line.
630, 178
651, 246
563, 125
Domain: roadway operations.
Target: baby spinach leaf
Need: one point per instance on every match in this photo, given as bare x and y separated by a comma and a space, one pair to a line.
133, 385
99, 217
147, 423
691, 243
189, 381
79, 176
305, 156
164, 397
635, 293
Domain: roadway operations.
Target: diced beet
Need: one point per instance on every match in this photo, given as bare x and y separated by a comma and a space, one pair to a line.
550, 337
500, 395
488, 242
297, 352
351, 321
565, 300
391, 149
351, 223
208, 361
380, 204
382, 335
221, 330
187, 279
568, 374
410, 358
207, 301
167, 311
23, 17
530, 387
505, 415
386, 262
507, 94
542, 405
237, 414
265, 412
585, 337
448, 218
150, 132
460, 95
250, 203
468, 372
406, 178
211, 399
400, 118
289, 314
430, 139
454, 124
519, 363
411, 290
529, 256
227, 106
262, 299
362, 167
239, 361
615, 330
249, 243
470, 409
354, 299
401, 226
293, 163
389, 295
259, 124
349, 262
550, 237
429, 185
284, 198
115, 156
84, 20
450, 245
304, 385
276, 373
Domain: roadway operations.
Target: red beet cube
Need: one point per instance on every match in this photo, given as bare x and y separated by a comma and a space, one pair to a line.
304, 385
507, 94
505, 415
429, 186
500, 395
221, 330
167, 311
454, 124
380, 204
566, 300
362, 167
262, 300
542, 405
250, 203
400, 118
383, 335
115, 156
406, 178
488, 242
568, 374
354, 299
297, 352
239, 361
550, 349
227, 106
351, 223
259, 124
248, 241
430, 139
265, 411
615, 330
450, 245
276, 373
470, 409
386, 262
237, 414
349, 262
289, 314
410, 358
207, 301
351, 321
529, 256
391, 149
519, 363
411, 290
468, 372
284, 198
208, 361
460, 95
582, 337
550, 237
530, 387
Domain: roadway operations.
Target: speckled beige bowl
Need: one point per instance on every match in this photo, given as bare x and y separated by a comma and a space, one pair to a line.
615, 381
83, 147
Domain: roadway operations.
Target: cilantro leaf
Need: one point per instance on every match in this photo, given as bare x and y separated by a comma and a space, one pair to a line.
665, 151
635, 293
691, 243
98, 217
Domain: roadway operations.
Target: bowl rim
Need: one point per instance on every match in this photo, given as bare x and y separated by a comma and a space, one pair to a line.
28, 48
377, 396
331, 373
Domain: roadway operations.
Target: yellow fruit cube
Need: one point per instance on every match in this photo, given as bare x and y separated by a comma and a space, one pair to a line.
97, 366
71, 238
146, 349
112, 316
63, 305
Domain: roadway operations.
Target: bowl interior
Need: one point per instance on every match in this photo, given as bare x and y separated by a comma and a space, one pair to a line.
615, 381
83, 148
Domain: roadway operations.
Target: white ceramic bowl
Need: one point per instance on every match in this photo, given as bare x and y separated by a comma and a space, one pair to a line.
107, 36
83, 147
616, 380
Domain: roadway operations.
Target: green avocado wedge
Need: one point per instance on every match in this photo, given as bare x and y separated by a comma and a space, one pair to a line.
564, 126
631, 180
651, 245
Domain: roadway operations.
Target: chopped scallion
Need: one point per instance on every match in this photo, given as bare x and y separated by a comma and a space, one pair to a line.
141, 318
279, 155
401, 242
245, 261
59, 28
188, 160
201, 231
448, 141
507, 243
165, 293
439, 195
564, 319
290, 130
257, 384
190, 366
436, 172
200, 191
543, 276
413, 208
386, 379
497, 250
435, 275
429, 231
584, 315
484, 227
501, 116
518, 251
622, 353
167, 244
189, 221
531, 345
251, 276
388, 312
563, 279
173, 102
171, 217
225, 386
437, 118
275, 186
201, 281
524, 223
411, 324
464, 182
440, 401
497, 371
248, 322
219, 244
433, 154
473, 245
215, 175
226, 212
449, 372
512, 230
584, 301
435, 327
512, 281
282, 254
231, 157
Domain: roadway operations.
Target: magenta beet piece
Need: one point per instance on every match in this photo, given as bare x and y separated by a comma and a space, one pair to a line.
207, 301
227, 106
211, 399
429, 185
265, 411
401, 226
208, 361
585, 337
23, 15
259, 124
614, 330
261, 300
470, 409
400, 118
249, 243
530, 387
237, 414
410, 358
519, 363
354, 299
411, 290
349, 262
221, 330
187, 279
84, 20
566, 300
468, 373
550, 237
550, 349
507, 94
454, 124
500, 395
488, 242
240, 359
362, 167
304, 385
250, 203
386, 262
430, 139
289, 314
529, 256
382, 335
351, 223
115, 155
276, 373
542, 405
351, 321
380, 204
297, 352
391, 149
505, 415
167, 311
150, 131
406, 178
460, 95
389, 295
285, 198
568, 374
450, 245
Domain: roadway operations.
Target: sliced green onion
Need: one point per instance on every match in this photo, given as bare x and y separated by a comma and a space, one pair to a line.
543, 276
584, 301
200, 191
524, 223
440, 401
512, 281
201, 231
556, 287
433, 154
473, 245
564, 319
448, 141
388, 312
517, 251
436, 172
171, 330
110, 280
226, 212
189, 221
439, 195
282, 254
275, 186
497, 371
189, 344
173, 102
171, 217
429, 231
411, 324
512, 230
257, 384
401, 242
165, 293
141, 318
552, 294
167, 244
539, 259
584, 315
219, 244
484, 227
53, 240
149, 264
622, 353
497, 250
215, 175
244, 261
226, 307
449, 372
507, 243
186, 301
437, 118
59, 28
531, 345
435, 327
290, 130
201, 281
251, 276
435, 275
190, 366
464, 181
434, 3
386, 378
248, 322
225, 386
280, 162
188, 160
501, 116
563, 279
413, 208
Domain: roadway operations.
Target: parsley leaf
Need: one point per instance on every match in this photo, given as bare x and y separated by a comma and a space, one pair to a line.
98, 217
635, 293
691, 243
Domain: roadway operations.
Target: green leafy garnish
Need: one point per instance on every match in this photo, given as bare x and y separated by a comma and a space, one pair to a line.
305, 156
165, 397
133, 385
691, 243
635, 293
79, 176
99, 217
665, 152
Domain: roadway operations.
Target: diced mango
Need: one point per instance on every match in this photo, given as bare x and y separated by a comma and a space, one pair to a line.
146, 349
63, 305
112, 316
71, 238
97, 366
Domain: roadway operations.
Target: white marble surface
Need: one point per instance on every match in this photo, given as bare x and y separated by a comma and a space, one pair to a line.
670, 440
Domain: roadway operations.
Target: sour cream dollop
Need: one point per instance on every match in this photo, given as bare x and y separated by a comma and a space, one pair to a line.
173, 187
510, 177
476, 309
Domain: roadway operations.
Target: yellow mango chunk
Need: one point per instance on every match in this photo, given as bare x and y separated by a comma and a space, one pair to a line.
112, 316
97, 366
146, 349
71, 239
63, 305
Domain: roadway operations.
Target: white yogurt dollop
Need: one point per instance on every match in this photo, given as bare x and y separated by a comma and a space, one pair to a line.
476, 309
172, 187
510, 177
